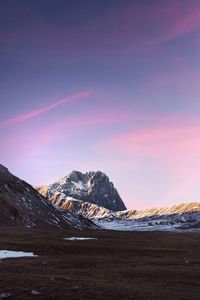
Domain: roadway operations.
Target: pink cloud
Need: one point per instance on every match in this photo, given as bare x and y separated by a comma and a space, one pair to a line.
173, 144
32, 114
172, 149
119, 29
158, 141
187, 19
164, 20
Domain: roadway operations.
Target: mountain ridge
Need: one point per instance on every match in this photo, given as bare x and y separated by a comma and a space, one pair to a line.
179, 216
21, 204
90, 210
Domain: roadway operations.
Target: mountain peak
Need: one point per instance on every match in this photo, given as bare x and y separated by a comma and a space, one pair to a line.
93, 187
77, 175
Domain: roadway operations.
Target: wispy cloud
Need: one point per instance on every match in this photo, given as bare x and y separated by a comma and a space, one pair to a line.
167, 21
34, 113
173, 150
35, 141
159, 142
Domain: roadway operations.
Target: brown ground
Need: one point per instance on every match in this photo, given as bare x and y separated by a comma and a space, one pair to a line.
119, 265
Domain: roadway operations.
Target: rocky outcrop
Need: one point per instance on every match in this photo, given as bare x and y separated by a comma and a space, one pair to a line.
86, 209
188, 212
91, 187
181, 208
21, 204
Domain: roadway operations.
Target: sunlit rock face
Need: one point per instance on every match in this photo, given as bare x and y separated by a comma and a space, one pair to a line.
91, 187
86, 209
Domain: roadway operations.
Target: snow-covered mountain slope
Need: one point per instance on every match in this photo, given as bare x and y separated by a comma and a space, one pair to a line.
93, 196
177, 216
92, 187
21, 204
131, 225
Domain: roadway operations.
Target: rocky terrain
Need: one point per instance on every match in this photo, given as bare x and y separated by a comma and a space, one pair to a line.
83, 208
92, 187
74, 193
175, 209
185, 216
21, 204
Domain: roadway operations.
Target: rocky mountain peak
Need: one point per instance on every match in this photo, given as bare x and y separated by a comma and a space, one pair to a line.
93, 187
75, 176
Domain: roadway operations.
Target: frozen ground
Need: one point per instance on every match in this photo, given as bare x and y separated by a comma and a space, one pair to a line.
130, 225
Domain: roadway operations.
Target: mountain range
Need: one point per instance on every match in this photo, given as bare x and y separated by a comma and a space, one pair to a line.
83, 201
73, 191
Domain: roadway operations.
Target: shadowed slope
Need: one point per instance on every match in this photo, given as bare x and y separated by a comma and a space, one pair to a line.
21, 204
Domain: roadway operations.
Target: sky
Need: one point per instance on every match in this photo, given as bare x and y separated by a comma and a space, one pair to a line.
109, 85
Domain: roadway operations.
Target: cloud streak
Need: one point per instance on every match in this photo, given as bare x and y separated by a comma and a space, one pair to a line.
34, 113
175, 19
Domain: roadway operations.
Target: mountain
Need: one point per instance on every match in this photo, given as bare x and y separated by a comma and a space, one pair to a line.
93, 196
181, 216
21, 204
175, 209
177, 217
91, 187
86, 209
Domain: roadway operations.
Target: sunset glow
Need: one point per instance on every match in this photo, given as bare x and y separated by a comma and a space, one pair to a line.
103, 85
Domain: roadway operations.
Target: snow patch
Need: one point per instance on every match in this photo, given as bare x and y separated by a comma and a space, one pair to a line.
79, 185
73, 238
13, 254
128, 225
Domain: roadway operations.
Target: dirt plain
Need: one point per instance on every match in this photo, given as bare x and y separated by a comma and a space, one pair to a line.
118, 265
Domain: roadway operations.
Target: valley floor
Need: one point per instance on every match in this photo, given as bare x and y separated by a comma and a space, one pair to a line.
117, 265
